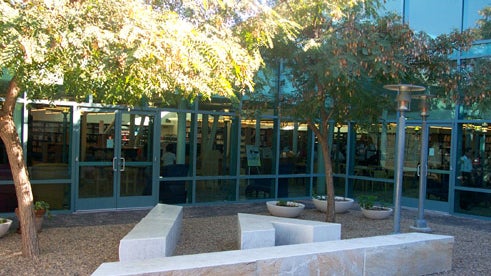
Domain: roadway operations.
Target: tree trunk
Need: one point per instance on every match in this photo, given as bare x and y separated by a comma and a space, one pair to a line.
330, 213
13, 147
326, 155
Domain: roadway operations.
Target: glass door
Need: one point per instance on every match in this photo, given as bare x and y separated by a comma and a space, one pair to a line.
438, 168
115, 160
137, 155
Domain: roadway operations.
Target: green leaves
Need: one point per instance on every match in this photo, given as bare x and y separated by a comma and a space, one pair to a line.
122, 51
348, 59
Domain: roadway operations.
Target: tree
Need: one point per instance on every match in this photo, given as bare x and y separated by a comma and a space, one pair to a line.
123, 52
338, 66
475, 85
484, 24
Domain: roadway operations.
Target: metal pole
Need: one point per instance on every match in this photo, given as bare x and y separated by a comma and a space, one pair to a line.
420, 223
401, 137
404, 102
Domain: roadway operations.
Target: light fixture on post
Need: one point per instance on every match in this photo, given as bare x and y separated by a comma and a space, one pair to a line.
420, 223
404, 104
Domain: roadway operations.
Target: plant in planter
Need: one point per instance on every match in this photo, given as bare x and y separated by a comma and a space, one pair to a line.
4, 226
287, 203
282, 208
41, 209
370, 209
341, 204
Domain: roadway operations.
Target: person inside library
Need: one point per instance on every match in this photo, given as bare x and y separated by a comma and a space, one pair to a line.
169, 156
366, 151
466, 167
338, 158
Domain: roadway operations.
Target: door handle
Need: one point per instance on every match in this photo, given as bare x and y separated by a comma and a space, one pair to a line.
123, 164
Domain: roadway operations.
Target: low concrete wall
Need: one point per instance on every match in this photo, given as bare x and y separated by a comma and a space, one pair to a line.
400, 254
156, 235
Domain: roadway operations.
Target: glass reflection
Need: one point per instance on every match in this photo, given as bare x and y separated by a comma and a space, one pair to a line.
473, 203
214, 145
474, 166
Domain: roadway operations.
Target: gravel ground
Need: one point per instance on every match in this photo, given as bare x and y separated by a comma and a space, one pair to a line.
76, 244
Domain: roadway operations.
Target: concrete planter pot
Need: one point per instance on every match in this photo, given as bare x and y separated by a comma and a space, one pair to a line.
377, 212
341, 204
5, 226
285, 211
39, 218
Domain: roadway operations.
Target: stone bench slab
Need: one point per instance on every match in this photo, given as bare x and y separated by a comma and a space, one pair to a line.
265, 231
156, 234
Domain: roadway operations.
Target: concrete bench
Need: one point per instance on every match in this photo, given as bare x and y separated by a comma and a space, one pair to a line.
156, 235
265, 231
398, 254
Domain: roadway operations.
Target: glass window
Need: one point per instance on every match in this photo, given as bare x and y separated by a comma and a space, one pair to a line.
214, 149
48, 151
136, 137
439, 148
259, 138
472, 91
478, 50
5, 173
474, 168
174, 138
176, 192
215, 104
473, 203
366, 151
294, 140
374, 154
437, 180
97, 134
137, 149
8, 198
294, 147
257, 156
339, 148
49, 137
440, 109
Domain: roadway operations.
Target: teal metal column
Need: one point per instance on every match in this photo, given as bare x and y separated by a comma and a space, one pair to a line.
181, 134
383, 140
420, 222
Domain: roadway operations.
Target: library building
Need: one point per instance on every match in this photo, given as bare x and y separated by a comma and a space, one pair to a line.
87, 156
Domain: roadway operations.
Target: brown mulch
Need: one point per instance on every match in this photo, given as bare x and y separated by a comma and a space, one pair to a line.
76, 244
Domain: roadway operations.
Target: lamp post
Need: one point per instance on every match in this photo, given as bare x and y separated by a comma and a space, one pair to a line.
420, 223
404, 103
